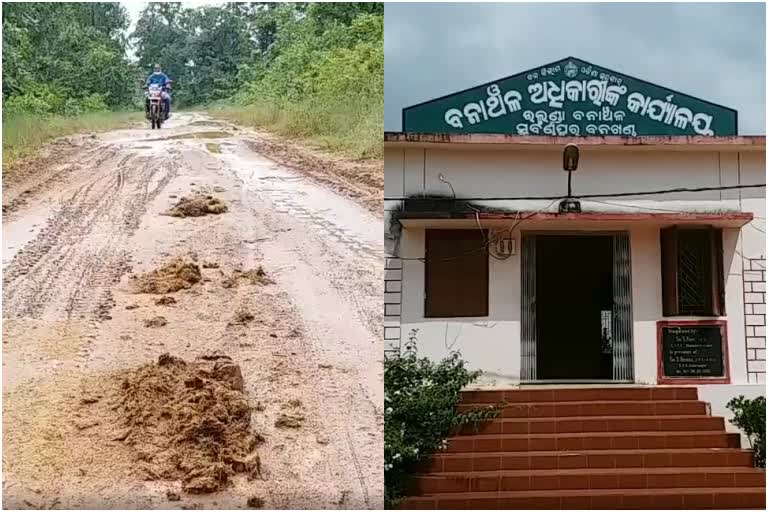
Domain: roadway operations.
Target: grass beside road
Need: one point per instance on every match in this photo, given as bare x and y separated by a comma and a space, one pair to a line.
24, 135
353, 128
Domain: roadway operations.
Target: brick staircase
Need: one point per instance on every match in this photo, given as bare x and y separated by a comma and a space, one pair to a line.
592, 448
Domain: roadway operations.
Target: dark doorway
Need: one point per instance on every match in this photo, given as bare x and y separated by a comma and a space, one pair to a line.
574, 303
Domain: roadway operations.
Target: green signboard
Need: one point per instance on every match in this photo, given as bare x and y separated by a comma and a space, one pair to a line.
570, 97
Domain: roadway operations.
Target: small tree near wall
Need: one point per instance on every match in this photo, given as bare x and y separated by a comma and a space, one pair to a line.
420, 398
749, 416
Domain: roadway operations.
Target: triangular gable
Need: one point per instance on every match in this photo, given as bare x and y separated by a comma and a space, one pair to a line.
570, 97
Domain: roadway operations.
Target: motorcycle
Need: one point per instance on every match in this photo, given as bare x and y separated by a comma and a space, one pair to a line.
156, 98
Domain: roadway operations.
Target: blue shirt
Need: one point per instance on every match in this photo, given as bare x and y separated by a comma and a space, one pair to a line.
160, 79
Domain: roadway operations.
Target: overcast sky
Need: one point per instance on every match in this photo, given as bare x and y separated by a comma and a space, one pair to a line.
712, 51
134, 11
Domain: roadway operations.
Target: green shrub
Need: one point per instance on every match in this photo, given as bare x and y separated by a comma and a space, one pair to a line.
420, 398
351, 126
48, 100
325, 83
749, 416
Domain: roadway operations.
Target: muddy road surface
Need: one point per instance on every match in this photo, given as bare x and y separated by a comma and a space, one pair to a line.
78, 231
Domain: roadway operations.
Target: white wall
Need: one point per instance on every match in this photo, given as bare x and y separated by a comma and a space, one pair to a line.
488, 173
528, 172
493, 343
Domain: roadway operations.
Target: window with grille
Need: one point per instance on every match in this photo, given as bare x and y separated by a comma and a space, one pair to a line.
456, 273
692, 271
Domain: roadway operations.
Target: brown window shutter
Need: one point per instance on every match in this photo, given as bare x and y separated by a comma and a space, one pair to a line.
456, 274
698, 286
718, 275
670, 303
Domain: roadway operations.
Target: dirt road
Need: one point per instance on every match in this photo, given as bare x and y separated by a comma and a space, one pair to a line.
78, 231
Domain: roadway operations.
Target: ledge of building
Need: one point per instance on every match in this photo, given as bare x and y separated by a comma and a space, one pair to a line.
505, 141
455, 219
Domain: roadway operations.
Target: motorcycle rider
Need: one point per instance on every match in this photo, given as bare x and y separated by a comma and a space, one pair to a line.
161, 79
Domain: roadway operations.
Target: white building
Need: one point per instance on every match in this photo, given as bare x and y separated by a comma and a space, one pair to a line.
647, 284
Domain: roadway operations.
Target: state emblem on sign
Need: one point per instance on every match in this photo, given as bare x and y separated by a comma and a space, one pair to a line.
571, 69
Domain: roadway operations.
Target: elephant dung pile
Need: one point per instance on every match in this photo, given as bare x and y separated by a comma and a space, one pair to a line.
189, 421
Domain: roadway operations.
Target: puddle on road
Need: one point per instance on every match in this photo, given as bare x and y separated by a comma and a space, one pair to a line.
207, 123
213, 147
17, 232
201, 135
190, 135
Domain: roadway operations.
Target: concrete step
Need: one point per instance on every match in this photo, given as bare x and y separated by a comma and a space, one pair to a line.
589, 459
592, 441
598, 394
601, 408
607, 478
597, 499
595, 424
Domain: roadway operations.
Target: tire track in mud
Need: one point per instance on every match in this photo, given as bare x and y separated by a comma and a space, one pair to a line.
20, 192
343, 180
65, 272
364, 256
348, 263
335, 459
336, 259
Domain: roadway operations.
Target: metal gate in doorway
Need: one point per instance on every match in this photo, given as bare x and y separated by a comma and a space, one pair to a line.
617, 321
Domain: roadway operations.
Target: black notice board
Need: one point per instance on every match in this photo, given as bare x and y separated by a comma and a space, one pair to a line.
692, 351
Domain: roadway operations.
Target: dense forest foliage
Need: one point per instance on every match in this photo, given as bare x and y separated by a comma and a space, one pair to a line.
65, 58
305, 69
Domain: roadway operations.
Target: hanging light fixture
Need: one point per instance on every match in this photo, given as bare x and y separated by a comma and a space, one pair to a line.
570, 164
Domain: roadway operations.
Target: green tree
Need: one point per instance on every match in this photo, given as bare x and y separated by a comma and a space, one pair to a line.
317, 66
65, 58
161, 37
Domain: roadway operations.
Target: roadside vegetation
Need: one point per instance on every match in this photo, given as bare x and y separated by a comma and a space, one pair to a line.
321, 79
308, 71
24, 134
65, 70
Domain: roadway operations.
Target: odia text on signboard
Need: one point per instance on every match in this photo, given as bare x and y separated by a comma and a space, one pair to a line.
571, 98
